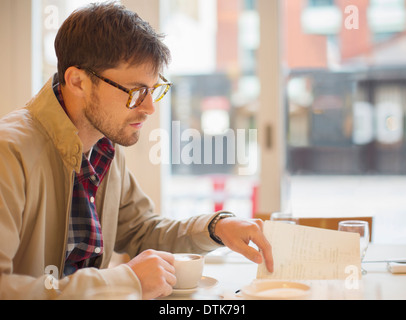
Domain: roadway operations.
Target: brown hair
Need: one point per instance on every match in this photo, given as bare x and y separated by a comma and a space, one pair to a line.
101, 36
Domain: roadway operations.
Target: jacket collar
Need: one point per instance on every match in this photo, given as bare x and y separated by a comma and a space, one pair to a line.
46, 108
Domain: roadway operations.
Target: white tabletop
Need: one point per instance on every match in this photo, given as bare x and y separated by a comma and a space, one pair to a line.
234, 272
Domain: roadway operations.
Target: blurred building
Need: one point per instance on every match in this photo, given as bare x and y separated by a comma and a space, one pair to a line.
345, 63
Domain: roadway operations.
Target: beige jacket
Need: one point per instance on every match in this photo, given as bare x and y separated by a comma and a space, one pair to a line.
39, 153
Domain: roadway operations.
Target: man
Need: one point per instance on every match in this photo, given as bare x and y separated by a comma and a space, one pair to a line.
67, 200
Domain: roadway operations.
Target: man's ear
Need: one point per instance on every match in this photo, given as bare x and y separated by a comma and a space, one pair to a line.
76, 81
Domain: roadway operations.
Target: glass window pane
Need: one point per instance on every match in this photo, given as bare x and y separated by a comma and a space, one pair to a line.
214, 101
345, 105
51, 14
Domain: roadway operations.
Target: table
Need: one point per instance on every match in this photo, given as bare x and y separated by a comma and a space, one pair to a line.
234, 272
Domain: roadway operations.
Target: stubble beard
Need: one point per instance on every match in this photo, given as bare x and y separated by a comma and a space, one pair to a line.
103, 123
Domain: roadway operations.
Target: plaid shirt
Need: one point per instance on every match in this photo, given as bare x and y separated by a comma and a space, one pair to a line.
85, 240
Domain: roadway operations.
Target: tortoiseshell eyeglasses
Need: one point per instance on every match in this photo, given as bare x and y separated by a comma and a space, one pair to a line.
137, 96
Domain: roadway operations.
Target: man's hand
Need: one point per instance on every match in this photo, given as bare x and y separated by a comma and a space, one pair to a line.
237, 234
156, 273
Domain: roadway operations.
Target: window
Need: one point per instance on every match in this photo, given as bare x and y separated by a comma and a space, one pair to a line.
214, 152
345, 107
48, 16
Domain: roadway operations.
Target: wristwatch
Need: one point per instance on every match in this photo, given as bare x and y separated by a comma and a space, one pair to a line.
213, 223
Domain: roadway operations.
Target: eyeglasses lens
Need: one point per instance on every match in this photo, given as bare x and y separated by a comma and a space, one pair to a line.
139, 96
158, 93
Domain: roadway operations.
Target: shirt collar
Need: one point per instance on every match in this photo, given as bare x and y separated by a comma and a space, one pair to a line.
58, 92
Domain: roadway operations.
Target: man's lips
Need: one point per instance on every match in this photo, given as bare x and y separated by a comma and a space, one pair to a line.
137, 125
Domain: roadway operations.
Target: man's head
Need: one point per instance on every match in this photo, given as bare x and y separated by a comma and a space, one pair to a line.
107, 57
103, 36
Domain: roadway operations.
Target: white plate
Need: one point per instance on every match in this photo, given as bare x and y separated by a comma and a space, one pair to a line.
275, 290
204, 283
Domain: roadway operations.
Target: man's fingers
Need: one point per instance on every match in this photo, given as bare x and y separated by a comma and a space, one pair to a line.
268, 257
167, 261
170, 279
237, 234
168, 257
168, 265
265, 248
156, 273
253, 255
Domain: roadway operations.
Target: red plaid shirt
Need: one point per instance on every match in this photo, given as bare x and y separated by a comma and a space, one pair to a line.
85, 240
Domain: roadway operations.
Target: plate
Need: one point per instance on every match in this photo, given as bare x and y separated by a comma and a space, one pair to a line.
204, 283
276, 290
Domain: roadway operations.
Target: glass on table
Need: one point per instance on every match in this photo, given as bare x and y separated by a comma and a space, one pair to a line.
284, 217
361, 227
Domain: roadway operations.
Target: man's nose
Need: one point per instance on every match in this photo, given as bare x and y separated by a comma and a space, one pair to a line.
147, 106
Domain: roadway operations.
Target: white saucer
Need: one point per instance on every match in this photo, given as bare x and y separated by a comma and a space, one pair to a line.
276, 290
204, 283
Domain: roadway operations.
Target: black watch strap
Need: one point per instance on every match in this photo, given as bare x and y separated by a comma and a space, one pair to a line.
213, 223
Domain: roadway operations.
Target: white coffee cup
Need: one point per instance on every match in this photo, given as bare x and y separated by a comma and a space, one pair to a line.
188, 270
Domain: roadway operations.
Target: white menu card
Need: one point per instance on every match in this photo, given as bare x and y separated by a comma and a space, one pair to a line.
305, 253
